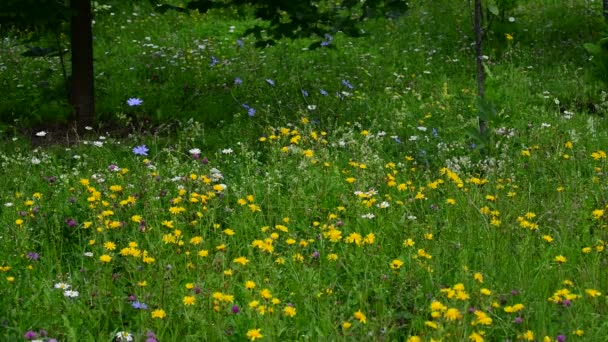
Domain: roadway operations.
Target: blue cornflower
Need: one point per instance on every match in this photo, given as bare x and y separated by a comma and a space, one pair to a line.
238, 81
270, 81
328, 40
251, 112
214, 61
141, 150
323, 92
347, 84
239, 42
245, 105
304, 93
134, 101
139, 305
435, 132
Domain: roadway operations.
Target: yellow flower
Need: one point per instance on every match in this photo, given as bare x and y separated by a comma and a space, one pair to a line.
289, 311
241, 260
396, 264
18, 222
110, 246
346, 325
452, 314
598, 213
478, 276
560, 259
254, 334
593, 293
578, 332
509, 36
189, 300
249, 284
476, 336
360, 316
485, 292
105, 258
266, 294
159, 313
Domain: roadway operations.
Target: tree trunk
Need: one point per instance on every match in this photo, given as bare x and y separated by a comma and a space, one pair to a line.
479, 59
82, 95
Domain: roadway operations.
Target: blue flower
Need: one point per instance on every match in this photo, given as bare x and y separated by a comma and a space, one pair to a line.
214, 61
327, 41
323, 92
304, 93
139, 305
134, 101
239, 42
238, 81
270, 81
251, 112
347, 84
141, 150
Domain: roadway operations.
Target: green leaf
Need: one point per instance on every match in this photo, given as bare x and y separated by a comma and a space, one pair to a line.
492, 7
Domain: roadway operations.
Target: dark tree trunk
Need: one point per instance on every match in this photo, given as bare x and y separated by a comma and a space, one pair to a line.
82, 94
606, 10
479, 59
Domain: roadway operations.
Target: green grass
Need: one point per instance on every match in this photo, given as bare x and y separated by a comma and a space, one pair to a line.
319, 194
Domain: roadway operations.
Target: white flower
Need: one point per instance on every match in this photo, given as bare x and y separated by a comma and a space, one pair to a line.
368, 216
421, 128
413, 138
8, 204
88, 254
35, 161
311, 107
384, 204
195, 151
98, 143
88, 128
227, 151
511, 19
381, 134
123, 336
545, 125
62, 286
412, 218
70, 293
41, 134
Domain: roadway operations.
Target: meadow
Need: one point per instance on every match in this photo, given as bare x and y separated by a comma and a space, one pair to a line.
287, 194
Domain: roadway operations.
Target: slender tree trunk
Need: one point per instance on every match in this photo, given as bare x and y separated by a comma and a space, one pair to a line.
82, 95
606, 10
479, 59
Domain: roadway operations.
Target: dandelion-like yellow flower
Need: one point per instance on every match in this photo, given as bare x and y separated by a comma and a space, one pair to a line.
254, 334
360, 316
189, 300
105, 258
159, 313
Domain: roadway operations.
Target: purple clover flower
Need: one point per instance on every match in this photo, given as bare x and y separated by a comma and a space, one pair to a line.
141, 150
235, 309
134, 102
71, 222
30, 335
561, 338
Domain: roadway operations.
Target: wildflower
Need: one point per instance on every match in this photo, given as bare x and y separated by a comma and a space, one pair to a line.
141, 150
241, 260
249, 285
235, 309
189, 300
70, 293
270, 82
593, 293
139, 305
476, 336
134, 102
452, 314
347, 84
346, 325
105, 258
254, 334
396, 264
478, 276
360, 316
159, 313
62, 286
560, 259
30, 335
508, 36
289, 311
123, 336
33, 256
